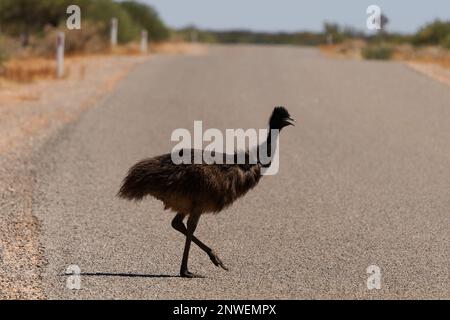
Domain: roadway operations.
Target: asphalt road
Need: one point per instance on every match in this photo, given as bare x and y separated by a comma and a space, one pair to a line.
364, 180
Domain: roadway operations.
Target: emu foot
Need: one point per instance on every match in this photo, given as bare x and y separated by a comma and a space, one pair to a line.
217, 262
187, 274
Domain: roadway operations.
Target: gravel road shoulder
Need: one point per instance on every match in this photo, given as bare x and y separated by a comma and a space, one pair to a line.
29, 115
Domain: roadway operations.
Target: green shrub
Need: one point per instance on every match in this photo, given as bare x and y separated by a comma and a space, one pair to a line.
3, 54
31, 18
445, 42
435, 33
377, 53
26, 17
334, 31
89, 39
132, 17
102, 11
147, 18
247, 36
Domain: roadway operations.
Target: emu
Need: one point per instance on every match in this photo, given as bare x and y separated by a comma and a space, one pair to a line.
191, 190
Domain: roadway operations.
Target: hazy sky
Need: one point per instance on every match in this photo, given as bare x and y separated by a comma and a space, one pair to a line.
292, 15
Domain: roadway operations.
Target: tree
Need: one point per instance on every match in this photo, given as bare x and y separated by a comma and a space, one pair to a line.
435, 33
102, 11
22, 17
25, 17
147, 18
332, 32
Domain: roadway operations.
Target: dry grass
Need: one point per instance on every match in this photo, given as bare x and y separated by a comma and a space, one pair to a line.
434, 71
27, 70
351, 49
178, 48
431, 61
29, 114
430, 55
30, 109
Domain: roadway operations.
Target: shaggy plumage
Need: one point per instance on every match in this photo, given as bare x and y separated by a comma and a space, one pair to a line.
193, 189
187, 188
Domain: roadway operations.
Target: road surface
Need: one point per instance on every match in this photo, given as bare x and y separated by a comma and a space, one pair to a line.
364, 180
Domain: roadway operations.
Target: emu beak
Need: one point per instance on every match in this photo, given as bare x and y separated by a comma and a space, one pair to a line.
291, 121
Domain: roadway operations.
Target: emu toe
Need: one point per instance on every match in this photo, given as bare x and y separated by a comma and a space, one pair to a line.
187, 274
217, 262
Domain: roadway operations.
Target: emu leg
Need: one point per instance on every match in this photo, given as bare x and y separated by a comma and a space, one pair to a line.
177, 224
191, 226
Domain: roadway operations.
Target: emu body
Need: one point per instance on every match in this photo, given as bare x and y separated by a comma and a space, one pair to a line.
188, 188
194, 189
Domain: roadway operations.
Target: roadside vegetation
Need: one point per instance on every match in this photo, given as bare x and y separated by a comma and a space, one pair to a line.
436, 33
3, 55
28, 28
34, 24
344, 41
377, 52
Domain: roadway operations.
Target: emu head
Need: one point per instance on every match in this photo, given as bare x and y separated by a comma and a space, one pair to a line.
280, 118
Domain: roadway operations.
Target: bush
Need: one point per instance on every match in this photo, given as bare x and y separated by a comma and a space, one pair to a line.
89, 39
26, 17
377, 53
31, 18
3, 53
333, 30
147, 18
247, 36
2, 56
436, 33
446, 42
132, 17
101, 12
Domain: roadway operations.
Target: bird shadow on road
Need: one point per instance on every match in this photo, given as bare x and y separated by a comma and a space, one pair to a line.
125, 275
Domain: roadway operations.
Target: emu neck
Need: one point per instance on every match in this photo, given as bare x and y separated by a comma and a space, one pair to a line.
267, 148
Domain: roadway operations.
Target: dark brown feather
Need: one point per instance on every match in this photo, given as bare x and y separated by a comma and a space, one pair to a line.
188, 188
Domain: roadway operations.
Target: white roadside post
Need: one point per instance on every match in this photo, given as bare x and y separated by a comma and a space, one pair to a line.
60, 54
144, 41
114, 28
